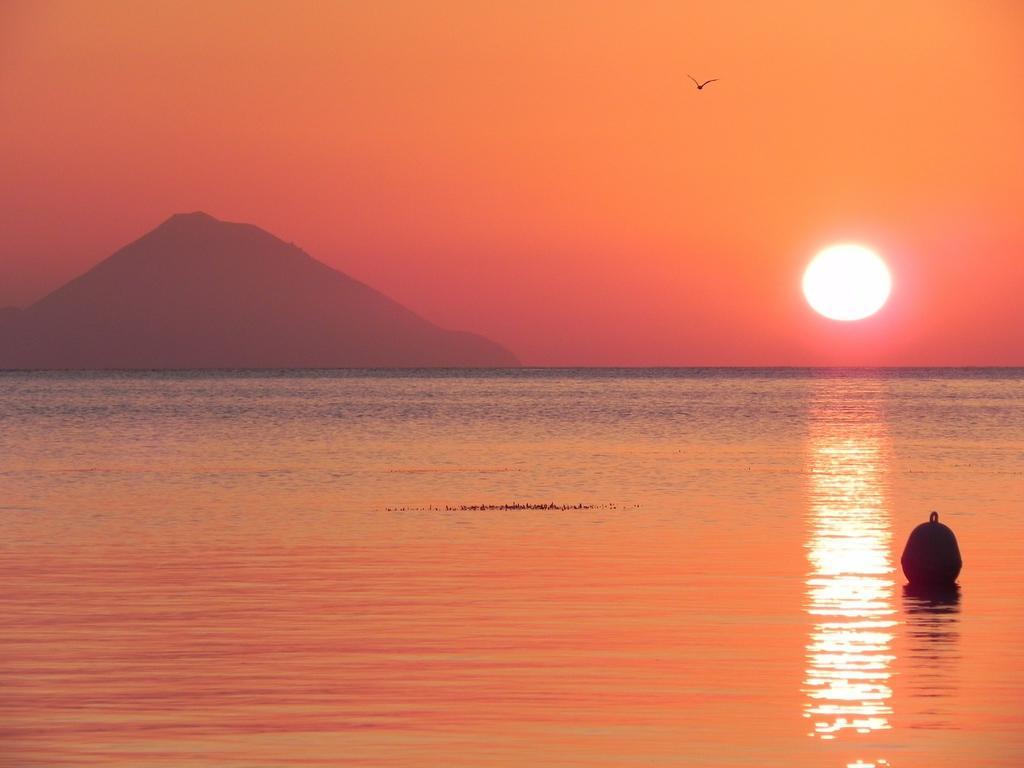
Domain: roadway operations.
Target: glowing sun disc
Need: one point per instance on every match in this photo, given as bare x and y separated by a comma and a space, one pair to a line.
847, 282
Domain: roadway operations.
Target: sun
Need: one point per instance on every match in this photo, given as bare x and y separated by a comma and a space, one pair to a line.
847, 282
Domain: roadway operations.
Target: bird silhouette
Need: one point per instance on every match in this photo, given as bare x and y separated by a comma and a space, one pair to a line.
700, 86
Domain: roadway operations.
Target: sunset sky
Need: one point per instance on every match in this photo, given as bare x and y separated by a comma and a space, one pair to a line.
544, 173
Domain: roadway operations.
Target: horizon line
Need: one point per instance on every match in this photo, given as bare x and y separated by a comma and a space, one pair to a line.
229, 369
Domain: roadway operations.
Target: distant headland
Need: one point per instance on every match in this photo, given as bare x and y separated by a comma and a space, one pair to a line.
197, 292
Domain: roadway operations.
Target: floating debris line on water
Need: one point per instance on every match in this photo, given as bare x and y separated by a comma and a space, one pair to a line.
512, 507
448, 470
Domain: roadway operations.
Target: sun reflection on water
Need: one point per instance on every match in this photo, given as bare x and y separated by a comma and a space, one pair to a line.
850, 583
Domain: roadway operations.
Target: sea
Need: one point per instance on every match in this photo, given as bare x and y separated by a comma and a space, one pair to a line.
535, 567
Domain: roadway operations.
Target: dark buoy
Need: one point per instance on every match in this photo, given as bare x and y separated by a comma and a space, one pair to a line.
931, 559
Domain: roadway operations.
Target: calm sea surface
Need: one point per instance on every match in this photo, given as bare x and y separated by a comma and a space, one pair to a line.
276, 569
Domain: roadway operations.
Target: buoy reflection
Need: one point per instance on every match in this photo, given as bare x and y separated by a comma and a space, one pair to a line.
850, 584
932, 635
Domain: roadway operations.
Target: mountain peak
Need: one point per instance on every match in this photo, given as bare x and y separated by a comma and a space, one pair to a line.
192, 220
185, 237
193, 216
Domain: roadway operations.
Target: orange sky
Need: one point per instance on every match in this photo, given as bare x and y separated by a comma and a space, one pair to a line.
544, 173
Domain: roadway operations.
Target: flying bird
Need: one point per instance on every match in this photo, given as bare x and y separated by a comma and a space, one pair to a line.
700, 86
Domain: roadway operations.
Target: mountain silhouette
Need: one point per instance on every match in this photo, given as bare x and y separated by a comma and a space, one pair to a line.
197, 292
